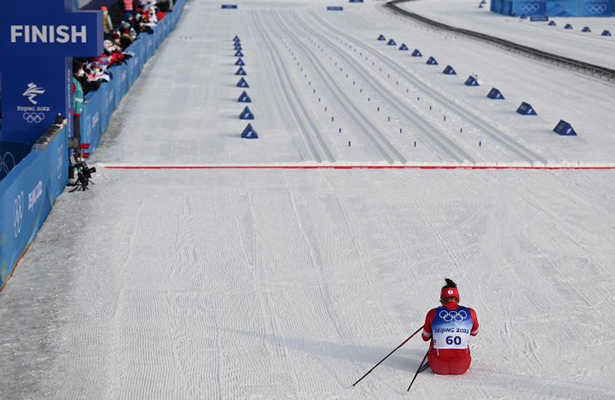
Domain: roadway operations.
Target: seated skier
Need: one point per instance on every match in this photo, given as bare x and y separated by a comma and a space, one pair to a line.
449, 328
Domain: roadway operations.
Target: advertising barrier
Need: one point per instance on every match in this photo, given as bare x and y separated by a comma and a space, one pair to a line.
31, 186
26, 196
100, 104
11, 153
555, 8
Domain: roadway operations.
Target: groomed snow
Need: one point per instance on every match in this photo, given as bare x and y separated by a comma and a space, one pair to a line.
276, 284
589, 47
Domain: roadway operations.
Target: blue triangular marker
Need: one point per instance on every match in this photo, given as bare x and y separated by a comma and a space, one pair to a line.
563, 128
416, 53
381, 37
431, 61
241, 71
246, 114
403, 47
249, 133
236, 38
605, 33
552, 23
449, 70
240, 62
495, 94
471, 81
238, 53
391, 42
526, 109
243, 83
244, 98
586, 29
568, 26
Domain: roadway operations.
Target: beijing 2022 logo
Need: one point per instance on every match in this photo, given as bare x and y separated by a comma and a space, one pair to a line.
33, 113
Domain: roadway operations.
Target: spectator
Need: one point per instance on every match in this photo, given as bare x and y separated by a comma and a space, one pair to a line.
128, 8
107, 23
127, 29
77, 102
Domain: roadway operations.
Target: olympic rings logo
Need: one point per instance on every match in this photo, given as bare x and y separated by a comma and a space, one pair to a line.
456, 316
7, 163
19, 206
596, 8
529, 8
33, 118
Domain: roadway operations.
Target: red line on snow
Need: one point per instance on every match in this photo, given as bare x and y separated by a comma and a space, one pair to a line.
351, 167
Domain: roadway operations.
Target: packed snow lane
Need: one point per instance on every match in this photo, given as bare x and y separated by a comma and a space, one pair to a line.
291, 283
277, 284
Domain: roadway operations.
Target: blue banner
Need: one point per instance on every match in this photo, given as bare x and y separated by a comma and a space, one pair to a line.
530, 8
36, 40
26, 197
598, 8
563, 8
555, 8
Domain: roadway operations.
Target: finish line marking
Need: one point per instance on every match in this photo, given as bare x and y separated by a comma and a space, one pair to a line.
596, 167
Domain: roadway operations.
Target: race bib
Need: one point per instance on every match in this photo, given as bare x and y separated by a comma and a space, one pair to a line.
451, 328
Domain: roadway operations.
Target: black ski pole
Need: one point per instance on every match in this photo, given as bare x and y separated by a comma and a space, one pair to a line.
397, 348
417, 371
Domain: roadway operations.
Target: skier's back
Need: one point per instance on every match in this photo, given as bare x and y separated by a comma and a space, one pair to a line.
449, 328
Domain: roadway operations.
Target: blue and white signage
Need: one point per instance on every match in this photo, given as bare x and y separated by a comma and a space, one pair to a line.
36, 39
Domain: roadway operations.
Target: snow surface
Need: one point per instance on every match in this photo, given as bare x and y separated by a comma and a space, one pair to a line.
590, 47
275, 284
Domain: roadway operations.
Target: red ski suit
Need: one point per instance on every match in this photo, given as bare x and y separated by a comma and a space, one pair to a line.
448, 361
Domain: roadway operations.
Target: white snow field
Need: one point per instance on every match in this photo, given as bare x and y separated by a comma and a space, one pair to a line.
280, 283
590, 47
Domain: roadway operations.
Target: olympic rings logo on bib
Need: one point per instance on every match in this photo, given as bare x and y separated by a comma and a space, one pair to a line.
449, 316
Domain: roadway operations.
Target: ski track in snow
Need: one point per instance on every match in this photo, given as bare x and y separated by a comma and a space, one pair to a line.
390, 153
471, 119
309, 130
277, 284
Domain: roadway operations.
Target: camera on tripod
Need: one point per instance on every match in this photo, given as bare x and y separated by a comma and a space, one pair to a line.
80, 174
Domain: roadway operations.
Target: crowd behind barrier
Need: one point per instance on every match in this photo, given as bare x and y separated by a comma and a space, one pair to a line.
100, 104
29, 190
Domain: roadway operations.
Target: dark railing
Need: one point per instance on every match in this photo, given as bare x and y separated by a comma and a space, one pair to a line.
569, 63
